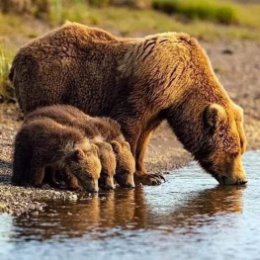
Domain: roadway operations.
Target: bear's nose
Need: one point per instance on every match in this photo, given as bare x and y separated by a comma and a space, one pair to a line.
229, 181
241, 182
128, 185
108, 187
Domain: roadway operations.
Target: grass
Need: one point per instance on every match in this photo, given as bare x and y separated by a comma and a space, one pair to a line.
6, 90
210, 10
127, 21
248, 15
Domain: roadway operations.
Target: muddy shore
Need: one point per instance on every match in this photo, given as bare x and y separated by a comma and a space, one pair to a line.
237, 65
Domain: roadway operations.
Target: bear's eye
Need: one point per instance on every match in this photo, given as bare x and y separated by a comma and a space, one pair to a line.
88, 153
222, 131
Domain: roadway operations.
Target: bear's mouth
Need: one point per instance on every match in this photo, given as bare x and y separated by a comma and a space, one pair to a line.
220, 179
224, 180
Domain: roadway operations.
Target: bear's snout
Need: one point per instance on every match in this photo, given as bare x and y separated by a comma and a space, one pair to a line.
224, 180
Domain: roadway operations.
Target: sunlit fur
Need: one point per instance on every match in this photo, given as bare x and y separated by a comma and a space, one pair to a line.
224, 159
138, 82
218, 147
108, 162
87, 168
125, 163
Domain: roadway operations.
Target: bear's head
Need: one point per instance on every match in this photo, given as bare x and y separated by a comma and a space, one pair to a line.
84, 163
214, 134
223, 143
108, 162
125, 168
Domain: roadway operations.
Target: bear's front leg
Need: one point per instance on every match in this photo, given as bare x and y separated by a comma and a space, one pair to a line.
54, 177
138, 137
37, 176
71, 181
141, 175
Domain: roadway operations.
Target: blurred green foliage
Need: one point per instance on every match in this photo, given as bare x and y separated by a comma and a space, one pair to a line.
6, 90
211, 10
218, 11
99, 3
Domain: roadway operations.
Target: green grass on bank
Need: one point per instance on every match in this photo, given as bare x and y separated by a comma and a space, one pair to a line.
211, 10
6, 90
219, 11
128, 21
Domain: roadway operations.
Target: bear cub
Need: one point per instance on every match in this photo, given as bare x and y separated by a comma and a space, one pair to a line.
114, 151
44, 143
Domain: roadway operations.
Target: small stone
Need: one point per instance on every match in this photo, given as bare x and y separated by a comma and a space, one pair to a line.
227, 51
73, 197
35, 213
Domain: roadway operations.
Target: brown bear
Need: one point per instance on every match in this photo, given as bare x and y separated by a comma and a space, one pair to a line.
101, 131
138, 82
42, 143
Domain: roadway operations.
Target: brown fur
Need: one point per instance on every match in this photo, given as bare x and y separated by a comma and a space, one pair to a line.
108, 162
42, 143
125, 163
101, 131
139, 83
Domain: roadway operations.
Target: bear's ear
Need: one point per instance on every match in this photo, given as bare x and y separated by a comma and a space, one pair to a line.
77, 155
107, 147
116, 146
127, 145
213, 115
95, 149
239, 118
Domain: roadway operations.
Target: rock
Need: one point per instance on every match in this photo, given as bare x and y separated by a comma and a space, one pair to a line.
227, 51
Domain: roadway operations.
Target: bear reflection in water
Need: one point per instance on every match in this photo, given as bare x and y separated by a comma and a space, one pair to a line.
131, 210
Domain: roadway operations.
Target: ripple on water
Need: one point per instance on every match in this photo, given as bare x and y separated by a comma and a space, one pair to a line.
187, 217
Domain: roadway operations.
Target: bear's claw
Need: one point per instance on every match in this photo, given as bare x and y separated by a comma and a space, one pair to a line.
150, 179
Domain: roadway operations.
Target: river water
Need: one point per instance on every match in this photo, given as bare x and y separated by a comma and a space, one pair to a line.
189, 216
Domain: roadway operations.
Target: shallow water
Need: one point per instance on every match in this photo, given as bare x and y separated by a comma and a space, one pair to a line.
187, 217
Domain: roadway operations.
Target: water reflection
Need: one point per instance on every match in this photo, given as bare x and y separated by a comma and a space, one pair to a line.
130, 209
187, 217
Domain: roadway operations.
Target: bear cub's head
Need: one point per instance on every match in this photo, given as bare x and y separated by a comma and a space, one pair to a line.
108, 164
125, 168
84, 163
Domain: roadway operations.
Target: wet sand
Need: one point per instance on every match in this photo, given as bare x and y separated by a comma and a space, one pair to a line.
237, 65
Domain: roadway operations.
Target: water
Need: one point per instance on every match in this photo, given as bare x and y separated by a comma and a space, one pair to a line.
187, 217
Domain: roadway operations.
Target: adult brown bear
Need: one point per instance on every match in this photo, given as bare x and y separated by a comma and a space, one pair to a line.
139, 82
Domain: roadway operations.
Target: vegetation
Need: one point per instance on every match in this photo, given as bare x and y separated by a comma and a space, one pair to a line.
206, 19
199, 9
6, 90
